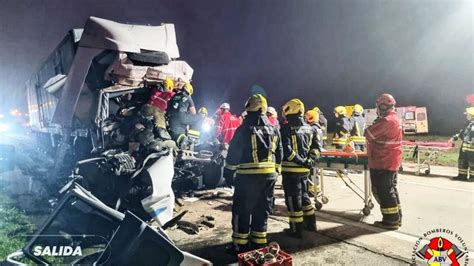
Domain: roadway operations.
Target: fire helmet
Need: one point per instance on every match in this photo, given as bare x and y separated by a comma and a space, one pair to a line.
168, 84
311, 116
385, 102
256, 103
188, 88
203, 110
340, 110
225, 106
293, 107
470, 111
358, 109
273, 113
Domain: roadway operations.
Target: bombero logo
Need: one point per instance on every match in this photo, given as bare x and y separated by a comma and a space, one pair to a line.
440, 247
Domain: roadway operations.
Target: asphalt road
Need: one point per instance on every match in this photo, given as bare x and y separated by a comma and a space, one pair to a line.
345, 236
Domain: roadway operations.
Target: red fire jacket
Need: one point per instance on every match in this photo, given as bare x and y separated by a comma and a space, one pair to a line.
160, 99
226, 127
274, 122
384, 143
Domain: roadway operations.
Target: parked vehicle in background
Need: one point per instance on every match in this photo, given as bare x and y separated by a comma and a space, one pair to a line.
414, 119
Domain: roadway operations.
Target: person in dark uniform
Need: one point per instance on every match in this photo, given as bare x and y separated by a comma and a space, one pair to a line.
299, 141
181, 113
342, 128
254, 158
357, 122
466, 153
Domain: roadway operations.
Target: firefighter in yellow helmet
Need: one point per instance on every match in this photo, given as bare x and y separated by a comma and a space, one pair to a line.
312, 118
466, 153
299, 142
357, 122
181, 113
252, 165
342, 128
203, 111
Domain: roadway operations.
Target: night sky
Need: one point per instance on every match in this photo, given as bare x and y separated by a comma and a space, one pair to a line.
327, 53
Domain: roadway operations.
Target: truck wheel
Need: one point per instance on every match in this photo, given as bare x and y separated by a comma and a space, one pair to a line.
212, 175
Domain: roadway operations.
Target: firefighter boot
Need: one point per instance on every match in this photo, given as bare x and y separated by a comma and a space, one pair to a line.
310, 223
295, 230
386, 226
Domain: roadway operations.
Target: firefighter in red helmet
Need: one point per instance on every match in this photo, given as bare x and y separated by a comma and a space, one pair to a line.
384, 150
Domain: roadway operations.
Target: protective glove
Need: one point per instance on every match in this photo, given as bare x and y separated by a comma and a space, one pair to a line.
309, 163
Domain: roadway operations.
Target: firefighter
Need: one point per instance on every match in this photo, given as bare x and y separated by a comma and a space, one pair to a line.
357, 122
273, 117
203, 112
298, 140
227, 124
312, 118
158, 103
323, 123
181, 113
254, 156
343, 126
466, 153
384, 150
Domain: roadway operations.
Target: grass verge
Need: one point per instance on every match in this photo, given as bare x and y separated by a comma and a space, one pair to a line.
14, 224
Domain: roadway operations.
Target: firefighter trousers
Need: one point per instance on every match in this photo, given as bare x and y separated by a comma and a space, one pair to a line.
466, 165
300, 209
384, 188
251, 206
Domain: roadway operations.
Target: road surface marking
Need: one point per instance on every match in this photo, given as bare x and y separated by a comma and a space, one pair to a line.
395, 234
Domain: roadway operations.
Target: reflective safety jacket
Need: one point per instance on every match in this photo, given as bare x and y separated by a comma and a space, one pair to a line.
178, 114
299, 140
467, 136
341, 131
226, 127
384, 143
318, 134
255, 149
357, 131
323, 123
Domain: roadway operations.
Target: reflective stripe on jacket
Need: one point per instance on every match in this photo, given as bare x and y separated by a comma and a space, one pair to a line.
298, 139
255, 147
341, 131
467, 136
384, 143
358, 128
226, 127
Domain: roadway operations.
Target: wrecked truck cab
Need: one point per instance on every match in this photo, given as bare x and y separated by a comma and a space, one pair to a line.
66, 94
103, 235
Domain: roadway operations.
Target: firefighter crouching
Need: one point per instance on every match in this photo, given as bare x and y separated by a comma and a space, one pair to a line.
466, 153
358, 126
384, 150
298, 140
343, 126
254, 156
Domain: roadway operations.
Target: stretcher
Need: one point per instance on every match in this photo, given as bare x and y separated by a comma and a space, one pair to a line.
343, 163
425, 153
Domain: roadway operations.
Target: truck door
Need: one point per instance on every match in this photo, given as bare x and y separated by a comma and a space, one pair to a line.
421, 120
